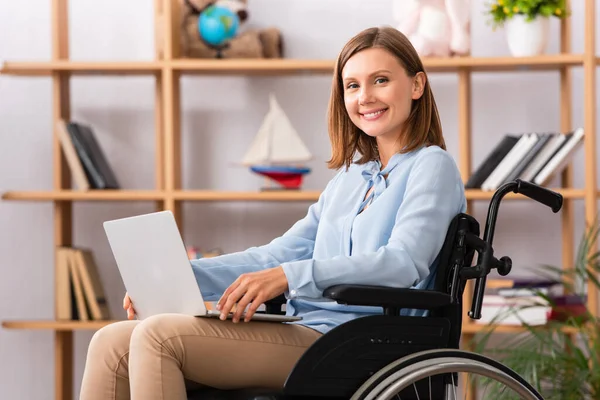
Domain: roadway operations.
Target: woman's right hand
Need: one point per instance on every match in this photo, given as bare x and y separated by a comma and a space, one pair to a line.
128, 306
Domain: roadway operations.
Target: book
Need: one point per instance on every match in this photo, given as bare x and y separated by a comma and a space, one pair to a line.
73, 161
560, 160
542, 157
508, 163
524, 162
79, 291
91, 284
93, 159
491, 161
532, 157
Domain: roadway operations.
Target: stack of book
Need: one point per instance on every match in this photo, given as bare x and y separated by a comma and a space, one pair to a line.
79, 292
87, 162
533, 157
518, 302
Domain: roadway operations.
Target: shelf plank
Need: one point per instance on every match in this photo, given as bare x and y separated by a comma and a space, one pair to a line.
56, 325
432, 64
500, 64
216, 195
212, 195
33, 68
283, 66
473, 194
90, 195
470, 328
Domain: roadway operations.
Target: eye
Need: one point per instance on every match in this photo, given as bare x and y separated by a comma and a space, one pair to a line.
381, 80
351, 86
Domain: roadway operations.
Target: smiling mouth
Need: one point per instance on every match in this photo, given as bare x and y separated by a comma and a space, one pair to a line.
373, 115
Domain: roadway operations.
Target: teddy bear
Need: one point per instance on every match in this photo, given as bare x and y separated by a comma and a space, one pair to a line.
250, 43
436, 28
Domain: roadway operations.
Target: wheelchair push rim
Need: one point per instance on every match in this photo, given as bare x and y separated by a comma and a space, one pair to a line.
402, 373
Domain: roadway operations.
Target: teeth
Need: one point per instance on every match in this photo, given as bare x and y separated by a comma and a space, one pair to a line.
373, 114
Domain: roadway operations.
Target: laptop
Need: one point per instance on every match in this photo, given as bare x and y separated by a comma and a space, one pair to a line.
155, 268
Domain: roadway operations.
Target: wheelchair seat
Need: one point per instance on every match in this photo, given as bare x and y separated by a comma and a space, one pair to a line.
341, 360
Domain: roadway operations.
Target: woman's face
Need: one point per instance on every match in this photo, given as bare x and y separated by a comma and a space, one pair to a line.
378, 93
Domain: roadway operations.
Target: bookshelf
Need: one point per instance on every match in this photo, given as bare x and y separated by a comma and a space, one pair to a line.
168, 67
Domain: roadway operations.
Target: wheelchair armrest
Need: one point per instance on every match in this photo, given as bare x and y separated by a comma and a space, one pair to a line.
273, 306
387, 297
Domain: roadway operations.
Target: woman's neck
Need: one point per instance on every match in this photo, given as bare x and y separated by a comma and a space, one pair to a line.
385, 154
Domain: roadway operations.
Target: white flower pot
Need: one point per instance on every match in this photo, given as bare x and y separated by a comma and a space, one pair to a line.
527, 38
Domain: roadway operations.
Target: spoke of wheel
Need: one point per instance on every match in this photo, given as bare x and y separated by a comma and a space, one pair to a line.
454, 387
416, 391
429, 388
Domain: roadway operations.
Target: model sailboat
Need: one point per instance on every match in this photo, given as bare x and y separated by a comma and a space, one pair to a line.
277, 151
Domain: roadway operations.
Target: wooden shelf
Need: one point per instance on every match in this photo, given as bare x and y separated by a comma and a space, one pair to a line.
30, 68
56, 325
216, 195
500, 64
284, 66
474, 194
212, 195
91, 195
473, 328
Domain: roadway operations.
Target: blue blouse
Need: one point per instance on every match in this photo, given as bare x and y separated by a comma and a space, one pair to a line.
394, 242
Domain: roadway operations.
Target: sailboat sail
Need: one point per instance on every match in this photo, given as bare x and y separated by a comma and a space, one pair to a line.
259, 149
276, 142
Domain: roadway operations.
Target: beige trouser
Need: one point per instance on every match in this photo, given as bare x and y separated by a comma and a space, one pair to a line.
153, 358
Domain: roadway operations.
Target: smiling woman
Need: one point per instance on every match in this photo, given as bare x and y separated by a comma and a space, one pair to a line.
381, 101
382, 114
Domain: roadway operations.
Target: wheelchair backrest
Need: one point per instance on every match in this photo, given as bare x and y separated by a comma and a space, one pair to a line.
454, 255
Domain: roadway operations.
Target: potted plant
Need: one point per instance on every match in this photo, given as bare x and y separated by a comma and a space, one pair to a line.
561, 359
526, 22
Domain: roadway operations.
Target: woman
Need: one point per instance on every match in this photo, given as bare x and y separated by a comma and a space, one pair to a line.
380, 221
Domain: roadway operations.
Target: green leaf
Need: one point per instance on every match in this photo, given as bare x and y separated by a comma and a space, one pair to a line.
562, 364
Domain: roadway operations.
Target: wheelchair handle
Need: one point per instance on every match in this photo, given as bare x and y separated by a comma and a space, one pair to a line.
542, 195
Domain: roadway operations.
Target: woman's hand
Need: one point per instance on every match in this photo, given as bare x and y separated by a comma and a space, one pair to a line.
128, 306
253, 288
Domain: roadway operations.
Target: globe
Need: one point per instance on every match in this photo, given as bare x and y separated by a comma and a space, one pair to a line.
217, 25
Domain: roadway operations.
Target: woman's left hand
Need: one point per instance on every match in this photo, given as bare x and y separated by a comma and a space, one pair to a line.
253, 288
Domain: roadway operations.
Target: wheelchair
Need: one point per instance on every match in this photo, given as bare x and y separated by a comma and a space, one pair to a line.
394, 356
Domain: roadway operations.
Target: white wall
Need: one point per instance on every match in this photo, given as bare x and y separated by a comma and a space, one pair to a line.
217, 128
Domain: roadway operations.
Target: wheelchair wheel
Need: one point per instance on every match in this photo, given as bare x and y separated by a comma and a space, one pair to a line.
395, 380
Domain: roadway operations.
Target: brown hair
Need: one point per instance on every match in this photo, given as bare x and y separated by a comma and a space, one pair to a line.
423, 126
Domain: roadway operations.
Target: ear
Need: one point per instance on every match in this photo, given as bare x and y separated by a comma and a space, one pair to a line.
418, 85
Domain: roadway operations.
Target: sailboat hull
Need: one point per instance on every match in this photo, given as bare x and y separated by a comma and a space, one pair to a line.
288, 177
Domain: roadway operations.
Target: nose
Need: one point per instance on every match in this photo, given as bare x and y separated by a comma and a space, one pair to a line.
365, 96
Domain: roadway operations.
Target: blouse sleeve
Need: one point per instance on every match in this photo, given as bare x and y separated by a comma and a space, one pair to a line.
214, 275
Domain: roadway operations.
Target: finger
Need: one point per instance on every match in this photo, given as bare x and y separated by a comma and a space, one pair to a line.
252, 309
126, 301
227, 293
130, 312
232, 299
241, 306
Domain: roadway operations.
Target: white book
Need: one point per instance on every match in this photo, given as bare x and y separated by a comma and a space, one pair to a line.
509, 162
543, 156
560, 159
514, 311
